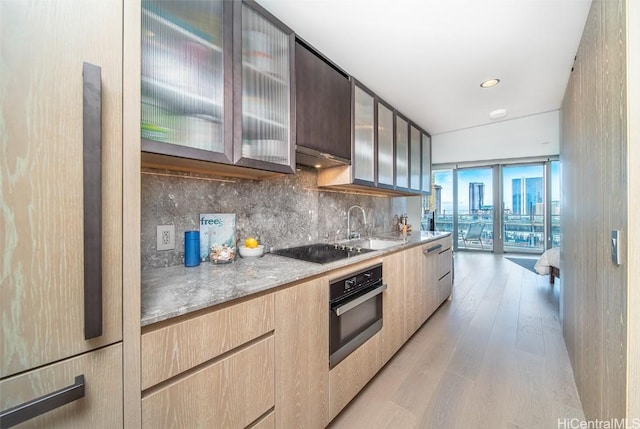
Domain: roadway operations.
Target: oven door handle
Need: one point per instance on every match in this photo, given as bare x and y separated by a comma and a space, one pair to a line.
341, 309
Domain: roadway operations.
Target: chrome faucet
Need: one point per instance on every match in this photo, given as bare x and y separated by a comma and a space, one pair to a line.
364, 218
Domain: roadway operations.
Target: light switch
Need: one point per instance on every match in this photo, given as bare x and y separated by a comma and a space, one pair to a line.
615, 246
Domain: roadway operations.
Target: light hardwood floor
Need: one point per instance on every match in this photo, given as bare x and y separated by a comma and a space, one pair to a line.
493, 357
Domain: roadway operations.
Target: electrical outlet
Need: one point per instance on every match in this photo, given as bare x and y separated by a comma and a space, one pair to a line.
166, 237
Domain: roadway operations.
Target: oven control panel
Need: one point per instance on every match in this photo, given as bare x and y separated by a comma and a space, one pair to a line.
355, 282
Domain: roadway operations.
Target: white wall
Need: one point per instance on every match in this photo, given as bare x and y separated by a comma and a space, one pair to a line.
516, 138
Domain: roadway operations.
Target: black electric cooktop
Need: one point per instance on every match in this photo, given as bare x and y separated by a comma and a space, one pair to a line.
320, 253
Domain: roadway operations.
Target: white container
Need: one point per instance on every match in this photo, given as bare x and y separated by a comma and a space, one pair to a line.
251, 252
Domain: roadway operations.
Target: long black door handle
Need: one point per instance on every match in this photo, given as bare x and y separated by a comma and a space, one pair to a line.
432, 249
92, 196
36, 407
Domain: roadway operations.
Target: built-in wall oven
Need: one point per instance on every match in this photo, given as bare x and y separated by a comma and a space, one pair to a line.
355, 311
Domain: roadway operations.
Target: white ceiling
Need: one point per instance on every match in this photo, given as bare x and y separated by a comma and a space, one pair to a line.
427, 58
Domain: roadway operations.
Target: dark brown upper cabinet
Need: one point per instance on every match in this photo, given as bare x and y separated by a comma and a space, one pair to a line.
323, 109
218, 86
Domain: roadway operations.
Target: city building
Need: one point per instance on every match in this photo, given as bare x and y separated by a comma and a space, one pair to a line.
476, 196
527, 196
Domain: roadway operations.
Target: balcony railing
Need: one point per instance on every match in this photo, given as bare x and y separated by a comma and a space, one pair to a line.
522, 233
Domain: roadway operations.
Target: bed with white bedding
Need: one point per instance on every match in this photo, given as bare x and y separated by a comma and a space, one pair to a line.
549, 263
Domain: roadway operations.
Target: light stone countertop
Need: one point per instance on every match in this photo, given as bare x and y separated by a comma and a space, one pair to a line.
178, 290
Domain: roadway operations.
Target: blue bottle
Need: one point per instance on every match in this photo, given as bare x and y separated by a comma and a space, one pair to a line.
191, 248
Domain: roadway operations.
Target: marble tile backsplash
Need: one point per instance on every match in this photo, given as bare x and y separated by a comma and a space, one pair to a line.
282, 211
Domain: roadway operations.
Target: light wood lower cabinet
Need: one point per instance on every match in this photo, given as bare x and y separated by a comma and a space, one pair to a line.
264, 362
414, 290
430, 285
101, 406
231, 392
213, 369
173, 347
427, 281
444, 270
445, 275
302, 355
393, 305
349, 377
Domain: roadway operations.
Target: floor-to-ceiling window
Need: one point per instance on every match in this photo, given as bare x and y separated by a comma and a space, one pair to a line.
554, 212
502, 208
440, 202
523, 213
474, 204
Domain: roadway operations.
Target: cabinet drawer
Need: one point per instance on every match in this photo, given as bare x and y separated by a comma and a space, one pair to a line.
445, 287
101, 406
232, 392
445, 260
175, 348
352, 374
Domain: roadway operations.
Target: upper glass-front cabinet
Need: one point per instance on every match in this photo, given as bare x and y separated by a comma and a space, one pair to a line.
426, 163
363, 146
183, 75
217, 83
265, 100
402, 153
415, 159
385, 146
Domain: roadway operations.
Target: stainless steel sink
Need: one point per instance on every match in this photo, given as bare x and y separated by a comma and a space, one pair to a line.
372, 243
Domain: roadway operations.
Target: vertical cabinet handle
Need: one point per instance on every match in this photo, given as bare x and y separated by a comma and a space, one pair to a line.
23, 412
92, 197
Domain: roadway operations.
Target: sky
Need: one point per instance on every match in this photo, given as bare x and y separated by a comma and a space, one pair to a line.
444, 178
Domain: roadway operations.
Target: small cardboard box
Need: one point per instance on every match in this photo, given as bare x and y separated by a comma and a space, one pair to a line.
217, 229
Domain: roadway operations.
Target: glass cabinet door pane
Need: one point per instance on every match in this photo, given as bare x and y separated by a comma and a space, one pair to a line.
385, 145
416, 159
426, 163
402, 153
265, 90
182, 73
363, 123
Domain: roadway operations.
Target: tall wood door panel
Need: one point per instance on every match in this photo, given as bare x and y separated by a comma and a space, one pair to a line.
44, 45
393, 303
413, 290
302, 355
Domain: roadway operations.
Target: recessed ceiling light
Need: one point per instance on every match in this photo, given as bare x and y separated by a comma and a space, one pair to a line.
489, 83
498, 113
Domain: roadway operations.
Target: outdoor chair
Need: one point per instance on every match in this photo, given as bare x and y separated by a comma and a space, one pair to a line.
474, 233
